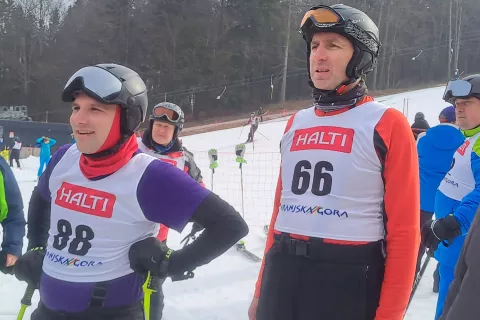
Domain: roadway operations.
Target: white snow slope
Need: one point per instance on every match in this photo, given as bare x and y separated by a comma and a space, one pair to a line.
223, 289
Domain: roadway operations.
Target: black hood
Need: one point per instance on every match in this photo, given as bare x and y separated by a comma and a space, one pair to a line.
420, 124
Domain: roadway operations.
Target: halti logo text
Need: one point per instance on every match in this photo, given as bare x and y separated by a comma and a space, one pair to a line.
70, 262
85, 200
307, 210
463, 147
323, 138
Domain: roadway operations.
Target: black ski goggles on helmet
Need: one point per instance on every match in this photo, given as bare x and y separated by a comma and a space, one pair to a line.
458, 89
326, 18
162, 113
101, 85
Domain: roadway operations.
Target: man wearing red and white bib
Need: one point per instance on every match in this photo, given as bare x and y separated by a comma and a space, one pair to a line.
344, 235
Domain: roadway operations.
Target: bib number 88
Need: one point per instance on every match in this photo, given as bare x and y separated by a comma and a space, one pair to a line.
80, 245
321, 183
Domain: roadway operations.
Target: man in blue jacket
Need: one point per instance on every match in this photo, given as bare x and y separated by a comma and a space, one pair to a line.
11, 218
45, 144
436, 148
458, 195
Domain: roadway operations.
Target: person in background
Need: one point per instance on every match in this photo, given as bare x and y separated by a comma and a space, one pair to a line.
261, 113
458, 195
12, 219
15, 152
419, 124
253, 122
436, 148
161, 141
45, 144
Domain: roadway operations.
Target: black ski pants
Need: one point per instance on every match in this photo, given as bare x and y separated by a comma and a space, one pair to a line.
15, 155
318, 281
134, 312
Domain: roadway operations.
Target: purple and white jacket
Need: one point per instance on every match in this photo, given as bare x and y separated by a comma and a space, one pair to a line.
93, 223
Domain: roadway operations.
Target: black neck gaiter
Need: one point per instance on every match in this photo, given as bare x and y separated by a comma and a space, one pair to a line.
329, 100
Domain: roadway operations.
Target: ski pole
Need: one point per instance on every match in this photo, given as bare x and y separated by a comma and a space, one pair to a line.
240, 152
148, 288
241, 186
211, 188
417, 279
213, 157
26, 301
241, 131
262, 135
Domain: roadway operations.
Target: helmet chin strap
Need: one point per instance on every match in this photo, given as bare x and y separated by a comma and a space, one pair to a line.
339, 90
339, 98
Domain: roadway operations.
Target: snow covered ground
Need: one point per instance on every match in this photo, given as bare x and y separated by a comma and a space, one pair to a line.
223, 289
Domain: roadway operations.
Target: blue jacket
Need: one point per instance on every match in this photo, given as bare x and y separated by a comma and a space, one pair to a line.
436, 148
11, 211
45, 147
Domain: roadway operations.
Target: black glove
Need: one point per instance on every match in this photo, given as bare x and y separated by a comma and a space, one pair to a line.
444, 230
29, 267
3, 263
150, 255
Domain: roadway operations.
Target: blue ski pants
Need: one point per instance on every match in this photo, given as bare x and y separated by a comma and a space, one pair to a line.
446, 278
43, 162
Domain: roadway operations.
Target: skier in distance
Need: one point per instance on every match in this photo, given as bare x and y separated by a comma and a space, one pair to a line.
253, 122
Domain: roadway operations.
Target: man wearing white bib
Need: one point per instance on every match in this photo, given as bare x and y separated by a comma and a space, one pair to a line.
458, 195
161, 141
94, 215
344, 235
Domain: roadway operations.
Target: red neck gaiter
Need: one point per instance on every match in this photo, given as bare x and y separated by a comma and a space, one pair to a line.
96, 167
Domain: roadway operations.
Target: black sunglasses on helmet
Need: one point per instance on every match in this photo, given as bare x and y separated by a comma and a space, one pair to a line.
457, 89
101, 85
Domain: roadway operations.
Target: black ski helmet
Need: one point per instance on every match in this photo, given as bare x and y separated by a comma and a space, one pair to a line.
351, 23
130, 92
178, 122
465, 88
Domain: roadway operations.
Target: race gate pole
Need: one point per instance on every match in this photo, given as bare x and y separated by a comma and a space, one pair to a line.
241, 186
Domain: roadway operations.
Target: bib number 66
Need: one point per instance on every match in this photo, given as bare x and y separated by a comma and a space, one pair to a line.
321, 182
80, 245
